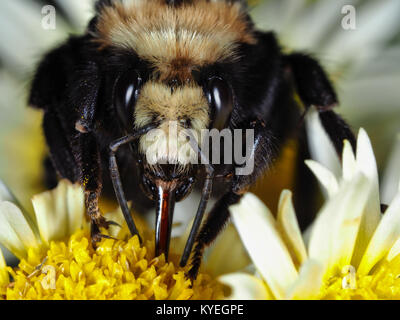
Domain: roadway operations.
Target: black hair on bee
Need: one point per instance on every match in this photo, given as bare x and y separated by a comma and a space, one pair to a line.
176, 2
202, 64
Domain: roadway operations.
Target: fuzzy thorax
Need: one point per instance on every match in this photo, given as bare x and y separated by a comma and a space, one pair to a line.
184, 108
175, 40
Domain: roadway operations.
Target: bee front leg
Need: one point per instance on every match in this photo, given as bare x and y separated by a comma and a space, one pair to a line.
115, 176
116, 180
205, 197
90, 179
213, 225
315, 89
262, 153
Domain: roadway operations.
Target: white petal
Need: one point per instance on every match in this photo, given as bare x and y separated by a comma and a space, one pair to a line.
335, 230
8, 256
78, 11
320, 13
384, 237
258, 231
324, 176
349, 166
51, 214
369, 88
21, 32
307, 234
289, 12
365, 156
228, 247
76, 207
288, 224
377, 22
309, 283
394, 251
59, 212
271, 15
245, 287
5, 193
118, 217
321, 147
184, 214
15, 232
4, 278
366, 164
391, 178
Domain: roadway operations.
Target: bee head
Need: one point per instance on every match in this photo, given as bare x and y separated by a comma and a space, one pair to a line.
176, 109
178, 42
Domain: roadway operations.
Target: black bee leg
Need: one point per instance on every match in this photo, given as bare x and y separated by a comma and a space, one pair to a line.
305, 187
311, 81
337, 130
213, 225
116, 179
61, 155
315, 89
50, 173
205, 197
85, 95
262, 153
90, 179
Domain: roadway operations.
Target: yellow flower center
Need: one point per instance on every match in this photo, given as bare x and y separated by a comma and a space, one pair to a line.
382, 283
117, 269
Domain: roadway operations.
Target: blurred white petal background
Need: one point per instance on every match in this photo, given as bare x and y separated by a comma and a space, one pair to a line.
363, 63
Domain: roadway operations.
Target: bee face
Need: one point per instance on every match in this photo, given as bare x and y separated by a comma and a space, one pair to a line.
175, 110
176, 43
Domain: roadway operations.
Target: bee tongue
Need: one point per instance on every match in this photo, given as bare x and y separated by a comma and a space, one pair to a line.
164, 214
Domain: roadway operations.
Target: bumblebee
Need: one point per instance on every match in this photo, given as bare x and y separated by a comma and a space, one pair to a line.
199, 63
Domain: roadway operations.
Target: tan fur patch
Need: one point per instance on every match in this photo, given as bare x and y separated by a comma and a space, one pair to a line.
157, 103
184, 102
175, 40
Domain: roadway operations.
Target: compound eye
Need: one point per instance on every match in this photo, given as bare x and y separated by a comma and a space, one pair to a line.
126, 92
221, 102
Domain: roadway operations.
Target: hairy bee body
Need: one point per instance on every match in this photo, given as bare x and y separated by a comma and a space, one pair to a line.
143, 64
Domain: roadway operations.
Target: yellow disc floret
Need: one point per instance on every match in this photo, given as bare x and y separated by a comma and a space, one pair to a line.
382, 283
117, 269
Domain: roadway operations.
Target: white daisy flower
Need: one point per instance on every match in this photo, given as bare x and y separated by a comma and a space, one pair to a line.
352, 251
57, 260
57, 214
